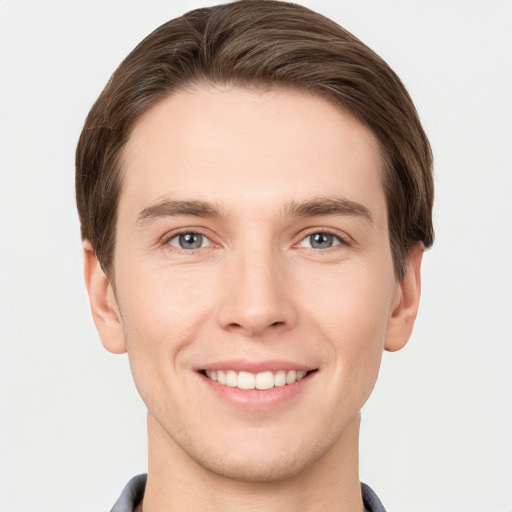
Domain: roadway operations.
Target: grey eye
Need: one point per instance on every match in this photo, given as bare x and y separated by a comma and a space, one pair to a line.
320, 240
188, 241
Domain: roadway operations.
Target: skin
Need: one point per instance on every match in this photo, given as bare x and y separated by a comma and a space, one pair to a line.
254, 292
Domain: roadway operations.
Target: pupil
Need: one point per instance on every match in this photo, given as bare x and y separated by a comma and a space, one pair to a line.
321, 240
191, 241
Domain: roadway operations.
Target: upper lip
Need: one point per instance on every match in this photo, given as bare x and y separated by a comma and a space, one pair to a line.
255, 366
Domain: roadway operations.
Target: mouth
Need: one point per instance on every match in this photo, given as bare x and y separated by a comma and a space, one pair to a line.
262, 380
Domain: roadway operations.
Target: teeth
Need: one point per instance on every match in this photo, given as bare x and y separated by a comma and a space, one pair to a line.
291, 376
231, 379
212, 374
262, 380
246, 380
280, 378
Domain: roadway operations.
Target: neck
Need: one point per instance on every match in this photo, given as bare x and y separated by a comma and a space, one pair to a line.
176, 482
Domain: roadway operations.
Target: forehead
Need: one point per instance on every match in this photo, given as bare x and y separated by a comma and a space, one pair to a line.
234, 145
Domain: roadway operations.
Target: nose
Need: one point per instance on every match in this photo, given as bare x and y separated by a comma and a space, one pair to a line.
257, 294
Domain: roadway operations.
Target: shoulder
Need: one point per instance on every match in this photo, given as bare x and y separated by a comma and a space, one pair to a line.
134, 491
371, 500
132, 495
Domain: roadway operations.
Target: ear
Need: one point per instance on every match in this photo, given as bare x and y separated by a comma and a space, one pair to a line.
406, 304
105, 310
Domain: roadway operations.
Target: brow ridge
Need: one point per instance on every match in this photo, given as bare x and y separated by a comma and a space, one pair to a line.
328, 206
170, 208
308, 208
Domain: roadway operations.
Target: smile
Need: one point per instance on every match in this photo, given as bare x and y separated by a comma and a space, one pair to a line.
262, 380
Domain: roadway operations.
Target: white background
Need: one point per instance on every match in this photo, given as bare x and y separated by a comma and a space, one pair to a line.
436, 433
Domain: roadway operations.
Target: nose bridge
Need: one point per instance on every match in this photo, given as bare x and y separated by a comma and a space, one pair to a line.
257, 292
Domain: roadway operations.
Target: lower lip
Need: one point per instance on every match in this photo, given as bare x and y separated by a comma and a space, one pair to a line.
255, 398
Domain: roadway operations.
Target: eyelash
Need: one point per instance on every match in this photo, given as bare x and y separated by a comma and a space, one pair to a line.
166, 240
342, 240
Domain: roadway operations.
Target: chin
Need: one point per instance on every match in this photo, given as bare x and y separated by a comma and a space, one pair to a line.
261, 468
257, 457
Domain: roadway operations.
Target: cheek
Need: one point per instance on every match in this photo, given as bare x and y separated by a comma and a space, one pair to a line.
161, 319
162, 313
163, 300
352, 314
351, 304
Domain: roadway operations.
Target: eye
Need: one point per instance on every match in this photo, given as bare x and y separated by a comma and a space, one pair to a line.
320, 240
189, 241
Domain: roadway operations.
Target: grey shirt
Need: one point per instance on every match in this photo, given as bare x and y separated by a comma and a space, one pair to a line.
134, 491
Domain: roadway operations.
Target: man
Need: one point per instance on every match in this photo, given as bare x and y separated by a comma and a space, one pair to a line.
255, 196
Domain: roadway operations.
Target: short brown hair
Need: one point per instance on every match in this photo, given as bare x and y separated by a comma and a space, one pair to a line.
263, 44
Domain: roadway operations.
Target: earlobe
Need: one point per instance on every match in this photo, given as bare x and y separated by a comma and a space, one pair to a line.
104, 306
404, 314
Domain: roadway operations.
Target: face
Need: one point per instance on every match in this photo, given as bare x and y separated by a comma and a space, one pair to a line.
254, 282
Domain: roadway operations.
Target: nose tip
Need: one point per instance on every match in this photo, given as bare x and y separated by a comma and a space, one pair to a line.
253, 323
257, 298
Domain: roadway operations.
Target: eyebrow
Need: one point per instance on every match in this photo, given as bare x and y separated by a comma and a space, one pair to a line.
328, 206
169, 208
308, 208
